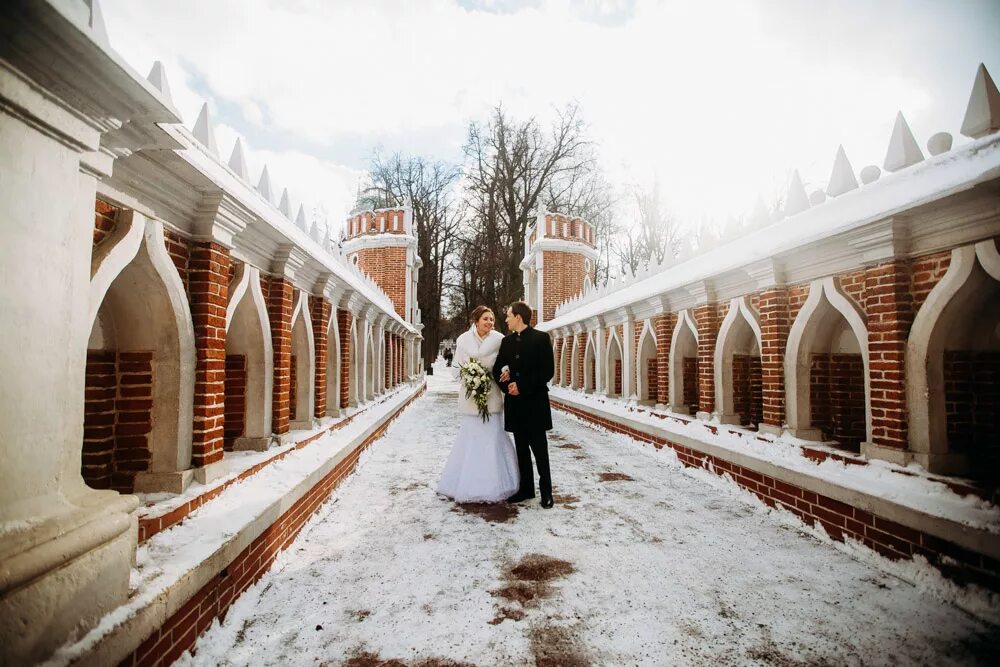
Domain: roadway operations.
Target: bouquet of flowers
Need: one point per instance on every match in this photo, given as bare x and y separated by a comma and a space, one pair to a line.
478, 381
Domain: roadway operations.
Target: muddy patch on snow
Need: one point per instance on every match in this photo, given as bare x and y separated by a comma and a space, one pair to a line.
566, 501
368, 659
569, 445
507, 614
359, 614
396, 490
615, 477
555, 646
491, 512
529, 579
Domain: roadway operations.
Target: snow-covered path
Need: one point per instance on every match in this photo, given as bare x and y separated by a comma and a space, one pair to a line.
641, 562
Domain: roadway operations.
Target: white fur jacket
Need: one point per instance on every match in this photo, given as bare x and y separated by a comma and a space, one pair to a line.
471, 346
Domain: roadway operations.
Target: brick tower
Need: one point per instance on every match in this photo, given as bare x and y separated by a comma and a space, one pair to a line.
558, 262
383, 244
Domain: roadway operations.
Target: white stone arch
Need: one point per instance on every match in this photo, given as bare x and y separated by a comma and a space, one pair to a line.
613, 352
564, 362
683, 343
303, 347
143, 307
574, 363
333, 365
369, 358
971, 286
112, 256
739, 333
589, 363
354, 367
645, 350
815, 326
248, 333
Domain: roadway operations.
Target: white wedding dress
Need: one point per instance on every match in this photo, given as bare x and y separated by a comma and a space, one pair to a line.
482, 466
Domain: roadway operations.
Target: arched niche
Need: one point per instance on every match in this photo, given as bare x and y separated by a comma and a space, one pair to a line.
645, 367
304, 362
369, 365
738, 380
574, 363
333, 389
827, 392
141, 365
952, 362
354, 367
613, 368
564, 353
249, 364
683, 365
590, 365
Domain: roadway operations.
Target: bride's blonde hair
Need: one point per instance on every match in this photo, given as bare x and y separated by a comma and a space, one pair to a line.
479, 311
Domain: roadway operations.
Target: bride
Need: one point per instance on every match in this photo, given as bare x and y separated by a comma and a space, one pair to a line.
482, 466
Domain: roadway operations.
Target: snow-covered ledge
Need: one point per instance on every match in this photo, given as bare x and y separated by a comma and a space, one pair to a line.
908, 499
174, 565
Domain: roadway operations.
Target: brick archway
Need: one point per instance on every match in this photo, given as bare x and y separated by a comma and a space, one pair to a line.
683, 364
249, 364
737, 366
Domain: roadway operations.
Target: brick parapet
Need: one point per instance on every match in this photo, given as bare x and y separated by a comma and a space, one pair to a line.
344, 320
279, 311
664, 325
707, 321
319, 314
775, 321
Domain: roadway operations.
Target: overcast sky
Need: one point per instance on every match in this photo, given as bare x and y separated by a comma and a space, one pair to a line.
717, 101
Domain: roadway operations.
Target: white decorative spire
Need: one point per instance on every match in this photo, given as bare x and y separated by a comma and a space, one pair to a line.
285, 207
842, 179
760, 216
315, 232
264, 185
795, 199
203, 131
982, 116
158, 77
300, 219
237, 161
97, 23
903, 149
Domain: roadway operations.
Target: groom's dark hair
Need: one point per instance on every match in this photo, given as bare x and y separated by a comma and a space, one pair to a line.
522, 310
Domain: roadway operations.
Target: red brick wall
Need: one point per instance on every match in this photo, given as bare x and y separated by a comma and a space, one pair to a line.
889, 304
797, 296
99, 418
344, 329
972, 404
279, 311
618, 377
706, 318
387, 267
292, 374
664, 333
563, 275
748, 400
926, 272
775, 321
651, 367
387, 362
236, 399
319, 311
837, 397
853, 285
208, 277
179, 250
105, 217
690, 375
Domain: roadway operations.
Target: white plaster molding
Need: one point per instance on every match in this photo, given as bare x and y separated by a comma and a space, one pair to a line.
219, 217
589, 362
112, 256
675, 371
640, 372
765, 273
882, 241
609, 370
386, 240
574, 380
724, 403
989, 257
260, 376
797, 362
306, 392
550, 244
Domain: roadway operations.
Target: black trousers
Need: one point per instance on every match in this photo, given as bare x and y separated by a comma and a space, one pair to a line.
528, 443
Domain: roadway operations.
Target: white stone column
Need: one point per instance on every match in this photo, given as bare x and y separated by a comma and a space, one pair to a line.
628, 360
599, 370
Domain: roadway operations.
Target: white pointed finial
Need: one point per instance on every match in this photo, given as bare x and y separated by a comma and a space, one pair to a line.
842, 178
264, 185
203, 131
982, 115
939, 143
238, 162
903, 149
158, 77
870, 174
795, 199
300, 219
760, 216
285, 207
97, 23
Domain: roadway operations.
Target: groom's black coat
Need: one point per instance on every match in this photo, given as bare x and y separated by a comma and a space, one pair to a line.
532, 364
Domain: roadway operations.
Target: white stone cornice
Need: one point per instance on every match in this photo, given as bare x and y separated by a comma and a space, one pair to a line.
702, 291
647, 308
386, 240
882, 241
287, 261
765, 273
562, 245
219, 217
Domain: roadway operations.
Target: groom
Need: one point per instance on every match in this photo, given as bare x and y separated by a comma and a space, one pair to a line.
523, 368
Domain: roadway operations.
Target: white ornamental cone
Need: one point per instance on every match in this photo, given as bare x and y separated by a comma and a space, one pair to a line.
760, 216
842, 179
982, 116
97, 23
285, 207
238, 162
796, 200
300, 219
903, 149
158, 77
203, 131
264, 185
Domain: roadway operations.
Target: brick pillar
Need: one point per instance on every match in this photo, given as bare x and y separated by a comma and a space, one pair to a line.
664, 333
387, 360
774, 325
279, 312
707, 320
319, 311
344, 324
208, 284
888, 301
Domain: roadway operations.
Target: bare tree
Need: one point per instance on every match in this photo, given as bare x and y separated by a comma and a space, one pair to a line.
428, 187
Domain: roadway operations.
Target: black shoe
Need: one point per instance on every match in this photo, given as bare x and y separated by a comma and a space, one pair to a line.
547, 502
519, 497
